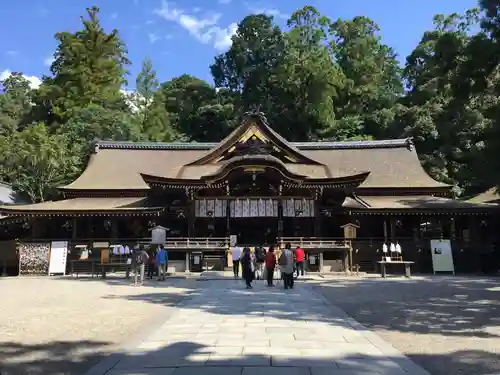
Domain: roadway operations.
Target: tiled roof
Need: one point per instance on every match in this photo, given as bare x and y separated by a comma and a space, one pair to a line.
81, 205
208, 146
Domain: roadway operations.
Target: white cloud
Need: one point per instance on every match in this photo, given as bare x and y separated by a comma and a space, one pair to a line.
153, 37
149, 22
114, 16
34, 81
168, 36
12, 52
48, 61
196, 9
205, 29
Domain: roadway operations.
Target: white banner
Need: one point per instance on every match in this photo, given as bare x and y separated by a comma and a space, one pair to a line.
58, 257
442, 256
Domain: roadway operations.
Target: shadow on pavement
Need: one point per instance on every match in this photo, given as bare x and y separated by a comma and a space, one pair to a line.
57, 357
448, 306
182, 358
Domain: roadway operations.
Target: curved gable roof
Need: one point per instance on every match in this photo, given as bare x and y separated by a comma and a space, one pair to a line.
120, 165
255, 123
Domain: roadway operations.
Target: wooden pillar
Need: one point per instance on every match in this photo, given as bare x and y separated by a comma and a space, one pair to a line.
35, 228
393, 229
190, 214
114, 228
228, 218
89, 230
386, 237
280, 220
317, 216
74, 229
453, 231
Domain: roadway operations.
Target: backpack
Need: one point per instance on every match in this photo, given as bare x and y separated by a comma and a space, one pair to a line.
259, 254
283, 261
138, 257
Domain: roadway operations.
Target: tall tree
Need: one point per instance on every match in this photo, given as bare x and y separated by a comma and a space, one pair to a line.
89, 68
15, 103
150, 114
197, 109
372, 76
255, 53
290, 76
448, 128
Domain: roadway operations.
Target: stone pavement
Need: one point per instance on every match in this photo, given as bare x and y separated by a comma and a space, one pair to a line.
226, 329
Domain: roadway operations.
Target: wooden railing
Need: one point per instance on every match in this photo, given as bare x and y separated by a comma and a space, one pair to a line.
197, 242
171, 242
315, 242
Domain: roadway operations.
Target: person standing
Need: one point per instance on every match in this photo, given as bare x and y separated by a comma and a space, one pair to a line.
151, 264
299, 258
236, 254
286, 265
139, 261
270, 263
260, 258
247, 267
161, 261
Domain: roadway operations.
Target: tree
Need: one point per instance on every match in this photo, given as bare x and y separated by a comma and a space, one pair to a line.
290, 76
448, 128
36, 162
15, 103
255, 53
199, 110
372, 76
306, 80
150, 114
89, 68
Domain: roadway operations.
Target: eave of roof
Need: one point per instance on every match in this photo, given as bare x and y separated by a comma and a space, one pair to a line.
83, 206
489, 196
415, 204
323, 145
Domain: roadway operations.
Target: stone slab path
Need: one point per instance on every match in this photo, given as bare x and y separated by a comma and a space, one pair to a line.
226, 329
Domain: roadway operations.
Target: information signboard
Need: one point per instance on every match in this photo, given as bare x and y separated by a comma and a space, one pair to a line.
58, 257
442, 256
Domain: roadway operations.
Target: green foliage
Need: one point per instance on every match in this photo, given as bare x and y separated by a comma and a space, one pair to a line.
317, 79
37, 162
198, 110
151, 118
15, 103
89, 68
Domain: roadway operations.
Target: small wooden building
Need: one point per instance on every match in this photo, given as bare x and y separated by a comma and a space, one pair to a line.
256, 185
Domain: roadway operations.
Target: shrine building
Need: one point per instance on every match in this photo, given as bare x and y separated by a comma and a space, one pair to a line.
339, 201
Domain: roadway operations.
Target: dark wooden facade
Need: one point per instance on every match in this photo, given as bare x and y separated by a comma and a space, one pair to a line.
256, 185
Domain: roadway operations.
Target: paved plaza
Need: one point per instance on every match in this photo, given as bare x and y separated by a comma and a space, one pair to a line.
225, 329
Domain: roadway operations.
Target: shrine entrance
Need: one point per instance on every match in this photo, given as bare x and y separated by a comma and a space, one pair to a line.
255, 231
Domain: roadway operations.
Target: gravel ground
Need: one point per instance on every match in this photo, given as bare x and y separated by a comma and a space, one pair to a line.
448, 325
63, 326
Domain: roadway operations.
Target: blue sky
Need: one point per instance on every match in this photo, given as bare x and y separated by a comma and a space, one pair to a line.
185, 35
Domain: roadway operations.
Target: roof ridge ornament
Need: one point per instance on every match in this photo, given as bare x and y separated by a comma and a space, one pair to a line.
254, 111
